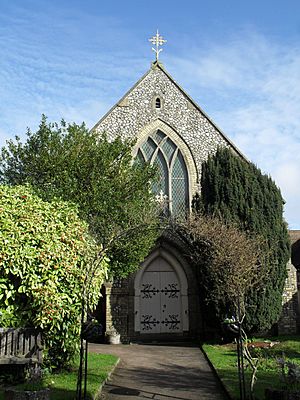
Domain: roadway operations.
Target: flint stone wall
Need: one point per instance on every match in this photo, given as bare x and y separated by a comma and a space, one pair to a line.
137, 110
287, 323
133, 117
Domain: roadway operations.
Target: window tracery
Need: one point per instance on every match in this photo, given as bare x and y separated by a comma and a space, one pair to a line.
172, 185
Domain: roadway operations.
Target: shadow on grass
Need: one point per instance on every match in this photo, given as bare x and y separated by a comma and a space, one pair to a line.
265, 379
224, 359
57, 394
63, 384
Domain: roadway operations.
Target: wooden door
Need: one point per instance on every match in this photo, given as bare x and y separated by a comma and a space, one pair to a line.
160, 307
170, 316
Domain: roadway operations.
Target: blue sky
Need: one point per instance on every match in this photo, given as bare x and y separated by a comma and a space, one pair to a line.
239, 60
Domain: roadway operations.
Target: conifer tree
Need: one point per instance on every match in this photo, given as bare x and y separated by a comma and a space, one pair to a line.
239, 192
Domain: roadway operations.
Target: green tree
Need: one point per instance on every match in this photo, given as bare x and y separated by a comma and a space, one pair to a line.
237, 191
70, 162
45, 258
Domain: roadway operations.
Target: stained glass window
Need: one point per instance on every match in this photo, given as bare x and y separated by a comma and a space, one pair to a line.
172, 185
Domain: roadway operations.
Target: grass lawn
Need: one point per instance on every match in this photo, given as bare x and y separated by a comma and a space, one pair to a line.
63, 385
224, 359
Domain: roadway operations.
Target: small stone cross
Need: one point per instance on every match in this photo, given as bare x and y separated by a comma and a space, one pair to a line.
161, 198
157, 40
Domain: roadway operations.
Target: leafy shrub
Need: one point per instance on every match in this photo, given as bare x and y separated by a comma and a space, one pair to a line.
225, 259
46, 255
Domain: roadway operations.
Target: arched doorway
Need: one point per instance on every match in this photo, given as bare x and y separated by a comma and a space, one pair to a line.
161, 301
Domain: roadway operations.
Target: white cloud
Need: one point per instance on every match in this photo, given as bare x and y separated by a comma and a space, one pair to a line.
251, 87
75, 78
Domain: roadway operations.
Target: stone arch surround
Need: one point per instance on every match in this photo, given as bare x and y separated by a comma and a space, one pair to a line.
159, 124
189, 289
120, 299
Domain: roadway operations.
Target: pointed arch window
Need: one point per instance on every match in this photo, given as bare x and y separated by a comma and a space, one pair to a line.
172, 185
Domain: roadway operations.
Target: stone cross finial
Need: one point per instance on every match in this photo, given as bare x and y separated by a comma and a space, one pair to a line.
161, 198
157, 40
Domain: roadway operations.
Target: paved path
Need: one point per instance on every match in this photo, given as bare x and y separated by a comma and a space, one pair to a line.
159, 373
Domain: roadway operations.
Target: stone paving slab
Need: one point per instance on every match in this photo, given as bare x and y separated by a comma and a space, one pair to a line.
160, 373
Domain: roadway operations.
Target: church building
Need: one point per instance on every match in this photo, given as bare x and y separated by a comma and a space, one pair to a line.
160, 301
